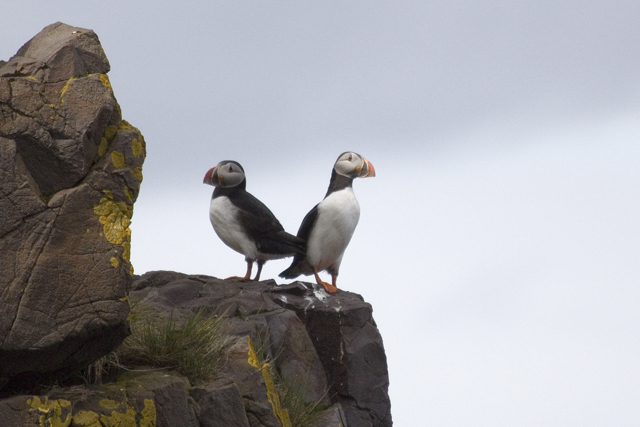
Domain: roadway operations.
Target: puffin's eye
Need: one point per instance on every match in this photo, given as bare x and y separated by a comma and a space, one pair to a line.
350, 158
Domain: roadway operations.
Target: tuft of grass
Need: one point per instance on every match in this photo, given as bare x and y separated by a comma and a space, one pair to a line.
102, 368
302, 413
194, 347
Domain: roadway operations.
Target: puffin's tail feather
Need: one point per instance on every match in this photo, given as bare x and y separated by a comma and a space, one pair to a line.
297, 267
290, 273
299, 245
282, 243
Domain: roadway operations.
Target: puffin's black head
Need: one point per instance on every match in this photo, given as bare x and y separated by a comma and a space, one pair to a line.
353, 165
226, 174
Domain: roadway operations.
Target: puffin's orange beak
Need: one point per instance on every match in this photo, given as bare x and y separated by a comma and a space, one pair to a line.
368, 170
209, 175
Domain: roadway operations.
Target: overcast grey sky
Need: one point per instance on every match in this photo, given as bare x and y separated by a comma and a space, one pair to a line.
499, 243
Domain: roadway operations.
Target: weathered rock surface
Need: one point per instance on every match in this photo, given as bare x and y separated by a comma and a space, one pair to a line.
138, 399
350, 348
70, 171
327, 344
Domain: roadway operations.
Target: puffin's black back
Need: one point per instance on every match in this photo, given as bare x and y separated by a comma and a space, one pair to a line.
259, 223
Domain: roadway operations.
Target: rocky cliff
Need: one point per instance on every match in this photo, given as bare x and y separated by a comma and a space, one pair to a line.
288, 355
70, 170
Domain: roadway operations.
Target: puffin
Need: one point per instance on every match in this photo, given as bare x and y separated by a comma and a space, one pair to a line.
328, 227
244, 223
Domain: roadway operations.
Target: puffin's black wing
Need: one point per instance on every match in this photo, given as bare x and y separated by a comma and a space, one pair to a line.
299, 265
307, 223
264, 228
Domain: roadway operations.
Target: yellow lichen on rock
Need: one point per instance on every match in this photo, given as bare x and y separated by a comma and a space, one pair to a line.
102, 148
87, 419
64, 89
125, 125
118, 159
120, 419
137, 146
128, 193
137, 172
272, 396
274, 399
148, 414
126, 254
253, 356
109, 404
105, 81
117, 419
116, 218
110, 132
51, 411
51, 414
107, 136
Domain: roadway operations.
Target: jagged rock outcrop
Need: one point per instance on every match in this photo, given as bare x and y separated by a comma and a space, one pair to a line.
70, 171
327, 344
350, 347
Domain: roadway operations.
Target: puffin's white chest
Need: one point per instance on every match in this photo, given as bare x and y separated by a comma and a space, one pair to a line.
225, 220
338, 216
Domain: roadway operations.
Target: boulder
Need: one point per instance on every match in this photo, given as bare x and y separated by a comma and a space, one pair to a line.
283, 335
169, 394
328, 344
220, 404
138, 399
70, 171
350, 347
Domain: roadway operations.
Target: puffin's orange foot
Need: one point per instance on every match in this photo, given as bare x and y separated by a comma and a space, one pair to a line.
247, 276
332, 289
329, 288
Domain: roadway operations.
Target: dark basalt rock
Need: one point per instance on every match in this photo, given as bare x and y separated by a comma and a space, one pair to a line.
70, 171
139, 399
350, 347
329, 342
220, 404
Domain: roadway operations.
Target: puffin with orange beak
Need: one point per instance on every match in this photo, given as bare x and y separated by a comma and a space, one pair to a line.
328, 227
244, 223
